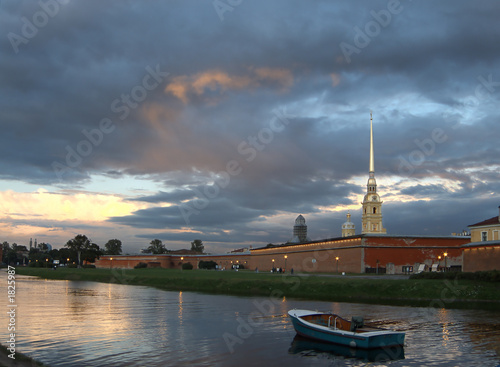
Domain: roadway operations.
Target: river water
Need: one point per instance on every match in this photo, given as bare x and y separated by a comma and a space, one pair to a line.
78, 323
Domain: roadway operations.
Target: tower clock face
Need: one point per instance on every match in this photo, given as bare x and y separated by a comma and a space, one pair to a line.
374, 198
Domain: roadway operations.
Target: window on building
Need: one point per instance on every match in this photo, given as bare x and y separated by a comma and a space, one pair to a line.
374, 210
484, 236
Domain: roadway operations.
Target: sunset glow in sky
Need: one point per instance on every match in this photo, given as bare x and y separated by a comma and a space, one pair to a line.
184, 120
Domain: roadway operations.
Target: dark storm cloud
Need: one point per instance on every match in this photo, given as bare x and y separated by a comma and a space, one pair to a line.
437, 217
428, 66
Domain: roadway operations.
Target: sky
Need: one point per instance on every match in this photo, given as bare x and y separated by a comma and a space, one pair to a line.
223, 120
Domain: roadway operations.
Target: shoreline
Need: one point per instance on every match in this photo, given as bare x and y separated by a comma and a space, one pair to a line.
21, 360
370, 289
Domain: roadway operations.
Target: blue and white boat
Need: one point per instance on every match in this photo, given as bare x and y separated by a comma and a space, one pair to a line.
332, 328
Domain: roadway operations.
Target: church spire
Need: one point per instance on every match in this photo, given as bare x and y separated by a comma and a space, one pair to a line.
371, 218
372, 159
372, 183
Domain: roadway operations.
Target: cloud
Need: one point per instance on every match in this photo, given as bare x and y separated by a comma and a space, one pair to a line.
62, 206
218, 82
433, 67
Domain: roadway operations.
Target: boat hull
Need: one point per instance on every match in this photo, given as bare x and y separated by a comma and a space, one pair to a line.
367, 340
301, 345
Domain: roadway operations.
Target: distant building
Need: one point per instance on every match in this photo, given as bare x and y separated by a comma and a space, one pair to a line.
483, 253
371, 217
486, 230
348, 228
299, 230
244, 249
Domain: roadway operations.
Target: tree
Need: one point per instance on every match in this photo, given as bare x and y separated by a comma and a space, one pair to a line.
156, 247
91, 252
43, 247
197, 245
5, 250
54, 253
65, 254
113, 247
83, 249
9, 253
39, 258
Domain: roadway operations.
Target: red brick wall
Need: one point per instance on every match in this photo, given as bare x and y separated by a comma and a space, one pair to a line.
354, 255
412, 251
315, 257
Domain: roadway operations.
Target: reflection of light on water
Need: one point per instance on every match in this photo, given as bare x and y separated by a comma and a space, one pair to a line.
284, 313
443, 316
180, 308
446, 335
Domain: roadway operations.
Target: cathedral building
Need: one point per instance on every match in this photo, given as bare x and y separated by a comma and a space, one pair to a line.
371, 217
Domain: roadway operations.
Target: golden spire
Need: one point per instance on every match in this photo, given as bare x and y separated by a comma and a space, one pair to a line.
372, 161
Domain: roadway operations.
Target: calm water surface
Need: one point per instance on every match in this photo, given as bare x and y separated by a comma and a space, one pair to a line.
75, 323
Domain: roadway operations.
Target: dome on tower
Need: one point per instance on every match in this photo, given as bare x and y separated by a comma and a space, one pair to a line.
348, 228
300, 221
299, 230
348, 224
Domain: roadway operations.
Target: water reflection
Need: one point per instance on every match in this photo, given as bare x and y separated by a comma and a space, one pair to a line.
75, 323
307, 347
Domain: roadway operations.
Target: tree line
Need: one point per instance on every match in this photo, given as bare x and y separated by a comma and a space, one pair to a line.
157, 247
76, 251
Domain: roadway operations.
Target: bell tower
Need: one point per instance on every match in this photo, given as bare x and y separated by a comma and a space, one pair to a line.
371, 217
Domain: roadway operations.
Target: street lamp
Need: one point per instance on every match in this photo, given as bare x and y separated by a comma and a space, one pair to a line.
273, 265
445, 255
111, 262
286, 257
337, 259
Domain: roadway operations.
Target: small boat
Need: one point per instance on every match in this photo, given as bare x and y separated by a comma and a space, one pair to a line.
332, 328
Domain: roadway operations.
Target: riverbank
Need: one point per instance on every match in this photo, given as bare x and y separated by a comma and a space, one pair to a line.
439, 293
21, 360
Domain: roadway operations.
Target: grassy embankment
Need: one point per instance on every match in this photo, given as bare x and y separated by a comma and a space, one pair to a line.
461, 293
